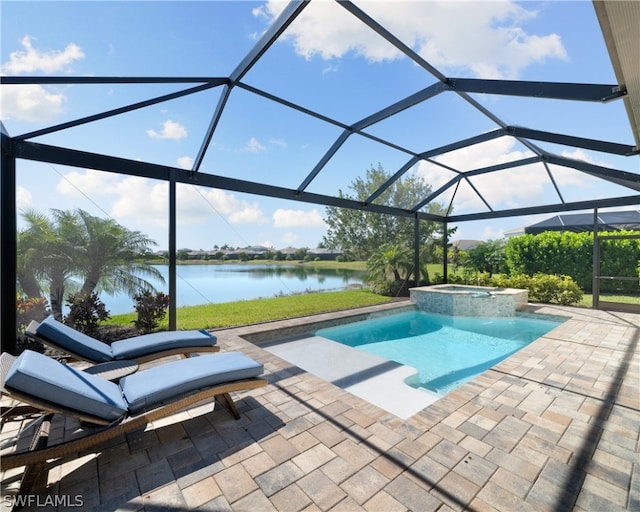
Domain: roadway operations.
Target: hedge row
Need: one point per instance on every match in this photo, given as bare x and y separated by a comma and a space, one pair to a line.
546, 288
571, 254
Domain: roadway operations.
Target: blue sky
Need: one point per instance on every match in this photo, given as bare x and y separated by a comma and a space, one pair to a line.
326, 62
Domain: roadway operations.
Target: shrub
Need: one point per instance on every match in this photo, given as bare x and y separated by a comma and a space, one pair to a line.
28, 309
571, 254
395, 288
487, 257
554, 289
471, 277
546, 288
85, 311
151, 309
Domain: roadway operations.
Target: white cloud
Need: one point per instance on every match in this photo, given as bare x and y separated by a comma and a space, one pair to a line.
484, 39
33, 102
24, 199
249, 213
490, 233
30, 103
283, 218
170, 130
185, 162
143, 202
509, 188
253, 146
278, 142
90, 182
32, 60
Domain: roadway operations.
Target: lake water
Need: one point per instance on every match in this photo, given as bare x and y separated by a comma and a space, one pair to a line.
211, 284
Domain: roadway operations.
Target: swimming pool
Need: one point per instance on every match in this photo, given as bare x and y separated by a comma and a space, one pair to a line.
445, 351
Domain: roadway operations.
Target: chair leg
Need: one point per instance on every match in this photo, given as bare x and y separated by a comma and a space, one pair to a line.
226, 400
35, 472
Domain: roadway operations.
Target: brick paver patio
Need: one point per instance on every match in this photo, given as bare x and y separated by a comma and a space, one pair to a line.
553, 428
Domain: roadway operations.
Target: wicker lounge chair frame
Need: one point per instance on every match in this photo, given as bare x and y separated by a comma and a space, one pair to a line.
100, 430
181, 351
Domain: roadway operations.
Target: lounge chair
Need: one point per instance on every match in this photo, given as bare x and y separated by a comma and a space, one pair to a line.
107, 410
140, 349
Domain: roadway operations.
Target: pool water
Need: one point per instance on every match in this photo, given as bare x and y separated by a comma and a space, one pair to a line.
446, 351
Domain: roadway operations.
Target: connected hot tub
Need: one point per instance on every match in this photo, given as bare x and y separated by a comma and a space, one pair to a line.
463, 300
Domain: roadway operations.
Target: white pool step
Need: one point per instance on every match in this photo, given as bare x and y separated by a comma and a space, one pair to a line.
370, 377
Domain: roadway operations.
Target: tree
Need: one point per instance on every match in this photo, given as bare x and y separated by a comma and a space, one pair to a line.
75, 251
389, 269
487, 257
361, 233
392, 260
44, 260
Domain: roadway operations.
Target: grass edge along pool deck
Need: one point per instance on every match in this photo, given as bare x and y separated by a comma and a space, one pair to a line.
555, 427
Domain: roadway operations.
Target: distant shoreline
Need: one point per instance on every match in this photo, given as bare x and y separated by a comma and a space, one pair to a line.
346, 265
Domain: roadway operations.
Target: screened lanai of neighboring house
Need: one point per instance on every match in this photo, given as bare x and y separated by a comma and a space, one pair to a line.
487, 137
607, 221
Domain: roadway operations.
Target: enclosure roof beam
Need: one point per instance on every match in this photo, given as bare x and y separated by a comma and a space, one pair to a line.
121, 110
436, 193
477, 172
294, 106
477, 139
321, 117
623, 178
399, 173
553, 181
409, 101
215, 119
389, 111
5, 144
551, 208
97, 80
383, 32
269, 37
568, 140
63, 156
325, 158
286, 17
434, 152
503, 166
547, 90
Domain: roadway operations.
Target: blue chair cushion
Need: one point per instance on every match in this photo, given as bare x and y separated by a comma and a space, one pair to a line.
40, 376
160, 383
73, 341
131, 348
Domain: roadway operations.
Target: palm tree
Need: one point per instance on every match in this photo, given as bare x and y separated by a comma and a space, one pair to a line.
44, 260
107, 257
391, 261
99, 253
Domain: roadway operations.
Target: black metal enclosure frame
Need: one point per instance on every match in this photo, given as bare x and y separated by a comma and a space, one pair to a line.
15, 147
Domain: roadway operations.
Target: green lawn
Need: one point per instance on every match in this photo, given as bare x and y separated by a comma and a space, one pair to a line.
587, 299
216, 316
